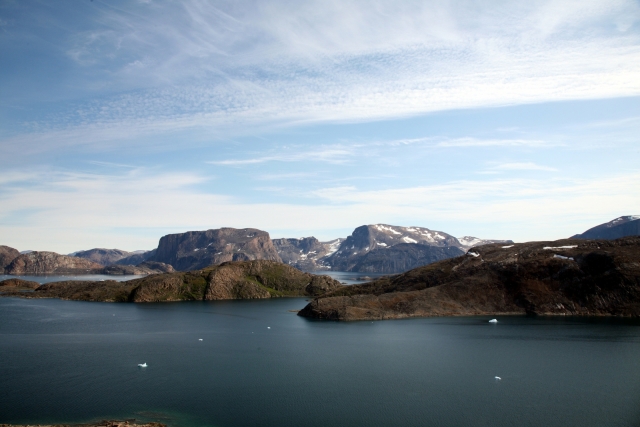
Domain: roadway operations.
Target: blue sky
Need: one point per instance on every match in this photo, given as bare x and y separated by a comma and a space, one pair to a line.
122, 121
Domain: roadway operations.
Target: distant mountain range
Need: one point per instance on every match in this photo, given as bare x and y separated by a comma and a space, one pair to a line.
619, 227
376, 248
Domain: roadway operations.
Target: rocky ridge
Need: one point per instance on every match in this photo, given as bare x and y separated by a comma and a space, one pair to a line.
102, 256
231, 280
50, 263
564, 277
620, 227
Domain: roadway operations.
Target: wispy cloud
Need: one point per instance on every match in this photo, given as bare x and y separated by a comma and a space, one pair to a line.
196, 65
523, 166
333, 154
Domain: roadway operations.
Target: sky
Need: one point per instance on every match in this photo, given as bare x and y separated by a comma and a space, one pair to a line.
123, 121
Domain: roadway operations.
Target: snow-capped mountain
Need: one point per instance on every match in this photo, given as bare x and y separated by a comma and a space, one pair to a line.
623, 226
306, 253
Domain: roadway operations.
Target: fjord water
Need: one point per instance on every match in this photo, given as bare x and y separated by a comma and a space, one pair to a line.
259, 364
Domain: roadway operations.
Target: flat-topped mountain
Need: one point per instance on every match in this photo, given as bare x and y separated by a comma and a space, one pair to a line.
7, 255
41, 262
619, 227
103, 256
230, 280
198, 249
305, 253
565, 277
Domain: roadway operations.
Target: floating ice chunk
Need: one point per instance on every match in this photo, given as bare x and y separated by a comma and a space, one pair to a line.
498, 378
493, 321
142, 365
268, 327
199, 339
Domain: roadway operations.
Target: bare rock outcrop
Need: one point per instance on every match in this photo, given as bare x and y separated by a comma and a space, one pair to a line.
199, 249
565, 277
50, 263
147, 267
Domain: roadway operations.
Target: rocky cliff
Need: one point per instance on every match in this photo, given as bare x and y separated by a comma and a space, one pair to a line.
50, 263
565, 277
147, 267
7, 255
231, 280
199, 249
619, 227
103, 256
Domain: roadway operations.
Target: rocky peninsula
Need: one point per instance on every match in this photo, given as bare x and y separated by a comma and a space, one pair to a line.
230, 280
564, 277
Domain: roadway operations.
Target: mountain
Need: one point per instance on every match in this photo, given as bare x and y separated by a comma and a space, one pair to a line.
7, 255
305, 253
136, 257
619, 227
50, 263
565, 277
230, 280
103, 256
198, 249
379, 238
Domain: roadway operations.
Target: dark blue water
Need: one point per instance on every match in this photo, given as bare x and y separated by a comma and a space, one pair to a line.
64, 361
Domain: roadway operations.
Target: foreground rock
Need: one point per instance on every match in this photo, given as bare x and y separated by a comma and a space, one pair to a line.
50, 263
565, 277
7, 255
232, 280
619, 227
199, 249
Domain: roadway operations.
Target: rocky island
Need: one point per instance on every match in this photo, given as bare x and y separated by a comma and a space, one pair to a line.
564, 277
230, 280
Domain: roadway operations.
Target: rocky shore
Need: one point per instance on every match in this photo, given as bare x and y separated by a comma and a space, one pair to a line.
564, 277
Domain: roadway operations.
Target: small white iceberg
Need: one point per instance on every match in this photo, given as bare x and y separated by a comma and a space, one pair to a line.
268, 327
142, 365
199, 339
493, 321
498, 378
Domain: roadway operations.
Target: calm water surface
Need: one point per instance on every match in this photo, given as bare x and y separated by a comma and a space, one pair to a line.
43, 278
259, 364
